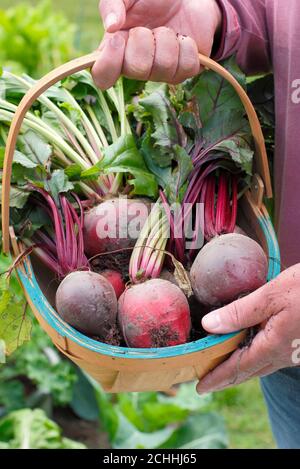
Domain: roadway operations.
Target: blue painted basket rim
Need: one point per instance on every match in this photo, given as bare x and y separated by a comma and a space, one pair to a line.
51, 317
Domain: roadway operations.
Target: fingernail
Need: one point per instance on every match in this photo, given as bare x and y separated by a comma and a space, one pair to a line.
211, 322
117, 41
201, 391
110, 20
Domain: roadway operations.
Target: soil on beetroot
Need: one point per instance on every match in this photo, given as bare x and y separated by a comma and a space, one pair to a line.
162, 336
118, 262
83, 431
114, 337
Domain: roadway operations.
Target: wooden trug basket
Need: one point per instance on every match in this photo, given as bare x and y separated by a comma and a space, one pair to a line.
120, 369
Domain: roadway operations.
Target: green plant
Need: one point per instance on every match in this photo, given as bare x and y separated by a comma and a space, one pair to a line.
15, 324
36, 375
151, 420
31, 429
35, 40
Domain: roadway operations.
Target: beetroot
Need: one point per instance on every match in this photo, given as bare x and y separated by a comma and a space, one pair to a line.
116, 280
154, 314
87, 301
114, 225
239, 230
228, 267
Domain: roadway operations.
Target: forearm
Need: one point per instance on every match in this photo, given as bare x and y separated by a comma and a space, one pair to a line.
244, 32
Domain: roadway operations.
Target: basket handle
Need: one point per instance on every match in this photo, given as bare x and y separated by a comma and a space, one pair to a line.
87, 61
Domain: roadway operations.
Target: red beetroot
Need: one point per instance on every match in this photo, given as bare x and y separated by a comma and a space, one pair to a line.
154, 314
228, 267
114, 225
87, 301
116, 280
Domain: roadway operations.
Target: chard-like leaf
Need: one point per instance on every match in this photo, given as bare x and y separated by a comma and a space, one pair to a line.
152, 155
24, 160
155, 109
49, 118
124, 157
172, 178
35, 148
82, 81
73, 172
73, 113
18, 197
240, 151
58, 184
184, 168
13, 88
214, 94
230, 134
15, 325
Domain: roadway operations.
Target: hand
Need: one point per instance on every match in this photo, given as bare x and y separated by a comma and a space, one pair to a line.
155, 40
276, 309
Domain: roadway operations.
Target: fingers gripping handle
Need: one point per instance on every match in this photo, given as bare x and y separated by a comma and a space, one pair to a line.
262, 166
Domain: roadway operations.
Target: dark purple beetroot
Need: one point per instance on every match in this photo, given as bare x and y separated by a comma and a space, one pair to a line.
227, 268
87, 301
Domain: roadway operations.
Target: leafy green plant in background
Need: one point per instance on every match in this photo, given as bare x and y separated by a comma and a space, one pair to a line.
37, 377
32, 429
35, 40
37, 367
151, 420
15, 325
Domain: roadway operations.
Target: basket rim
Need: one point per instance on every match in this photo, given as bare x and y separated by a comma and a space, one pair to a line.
48, 313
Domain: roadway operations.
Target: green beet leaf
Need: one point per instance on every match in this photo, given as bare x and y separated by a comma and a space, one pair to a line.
34, 148
15, 325
124, 157
58, 183
229, 133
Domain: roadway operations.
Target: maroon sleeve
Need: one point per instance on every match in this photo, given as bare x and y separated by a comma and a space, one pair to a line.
245, 33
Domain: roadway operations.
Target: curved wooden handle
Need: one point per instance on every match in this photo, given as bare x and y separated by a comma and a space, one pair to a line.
262, 166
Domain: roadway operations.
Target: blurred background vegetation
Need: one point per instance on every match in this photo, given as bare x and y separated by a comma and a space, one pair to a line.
36, 383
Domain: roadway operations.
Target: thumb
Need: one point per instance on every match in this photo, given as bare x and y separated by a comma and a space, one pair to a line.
113, 13
246, 312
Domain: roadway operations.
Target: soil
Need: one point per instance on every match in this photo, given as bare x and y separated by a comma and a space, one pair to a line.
83, 431
113, 337
162, 336
118, 262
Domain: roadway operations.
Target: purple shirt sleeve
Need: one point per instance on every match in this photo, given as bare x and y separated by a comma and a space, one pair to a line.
244, 33
265, 35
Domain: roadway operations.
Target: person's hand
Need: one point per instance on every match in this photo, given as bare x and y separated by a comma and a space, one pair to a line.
155, 40
276, 309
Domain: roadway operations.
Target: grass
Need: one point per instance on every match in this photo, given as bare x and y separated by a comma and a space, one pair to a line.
245, 414
243, 407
